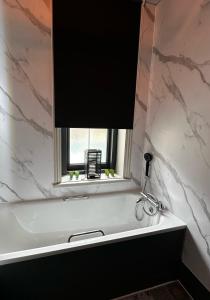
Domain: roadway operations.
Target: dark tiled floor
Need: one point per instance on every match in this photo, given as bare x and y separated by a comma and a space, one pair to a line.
171, 291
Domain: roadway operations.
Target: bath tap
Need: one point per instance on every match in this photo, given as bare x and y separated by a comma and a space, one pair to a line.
152, 200
147, 196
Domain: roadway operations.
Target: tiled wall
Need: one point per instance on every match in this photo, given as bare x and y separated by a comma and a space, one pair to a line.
26, 104
178, 122
142, 87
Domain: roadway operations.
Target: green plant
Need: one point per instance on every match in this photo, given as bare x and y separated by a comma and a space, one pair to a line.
106, 171
111, 171
71, 174
76, 173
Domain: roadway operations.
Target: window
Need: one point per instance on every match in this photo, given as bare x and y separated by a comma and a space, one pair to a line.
116, 145
76, 140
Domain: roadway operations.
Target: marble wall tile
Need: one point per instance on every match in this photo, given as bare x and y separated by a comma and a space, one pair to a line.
26, 104
142, 88
178, 126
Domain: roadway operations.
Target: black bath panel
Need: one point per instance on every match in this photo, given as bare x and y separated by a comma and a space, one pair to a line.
101, 272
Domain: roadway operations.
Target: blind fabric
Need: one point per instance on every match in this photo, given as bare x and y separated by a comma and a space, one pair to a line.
95, 45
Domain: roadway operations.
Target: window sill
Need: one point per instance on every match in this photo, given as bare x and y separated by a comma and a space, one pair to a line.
65, 182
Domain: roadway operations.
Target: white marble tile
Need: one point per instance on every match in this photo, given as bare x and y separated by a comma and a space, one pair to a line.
142, 88
26, 104
178, 127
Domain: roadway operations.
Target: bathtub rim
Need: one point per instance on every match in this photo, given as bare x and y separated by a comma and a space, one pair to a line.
169, 224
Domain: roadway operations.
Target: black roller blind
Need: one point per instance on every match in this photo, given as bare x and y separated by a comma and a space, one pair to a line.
95, 62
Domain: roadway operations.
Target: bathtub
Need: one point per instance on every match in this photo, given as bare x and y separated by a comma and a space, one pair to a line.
35, 229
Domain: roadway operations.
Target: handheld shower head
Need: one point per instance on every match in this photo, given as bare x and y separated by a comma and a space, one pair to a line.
148, 157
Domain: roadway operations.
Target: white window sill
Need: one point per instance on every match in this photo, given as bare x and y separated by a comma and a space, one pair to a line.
65, 181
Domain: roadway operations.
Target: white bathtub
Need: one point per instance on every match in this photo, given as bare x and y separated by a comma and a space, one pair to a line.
35, 229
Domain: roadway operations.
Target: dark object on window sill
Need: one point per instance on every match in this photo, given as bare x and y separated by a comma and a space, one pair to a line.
93, 163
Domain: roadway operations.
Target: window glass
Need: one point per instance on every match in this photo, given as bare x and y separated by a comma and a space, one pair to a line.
98, 140
79, 138
84, 138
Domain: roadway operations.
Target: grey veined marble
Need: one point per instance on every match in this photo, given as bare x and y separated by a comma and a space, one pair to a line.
178, 123
26, 103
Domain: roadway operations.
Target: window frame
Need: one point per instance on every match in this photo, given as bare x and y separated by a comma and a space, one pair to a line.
111, 154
